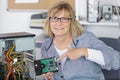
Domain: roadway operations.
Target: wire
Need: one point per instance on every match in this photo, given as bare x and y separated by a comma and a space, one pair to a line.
18, 73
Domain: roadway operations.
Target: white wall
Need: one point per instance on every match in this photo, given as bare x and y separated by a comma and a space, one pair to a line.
16, 21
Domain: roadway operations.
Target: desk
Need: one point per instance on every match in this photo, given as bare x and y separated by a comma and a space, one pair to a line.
101, 23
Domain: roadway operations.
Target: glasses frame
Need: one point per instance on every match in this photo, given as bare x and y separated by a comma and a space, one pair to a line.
62, 19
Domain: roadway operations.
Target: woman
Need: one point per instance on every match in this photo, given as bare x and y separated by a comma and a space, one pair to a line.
80, 54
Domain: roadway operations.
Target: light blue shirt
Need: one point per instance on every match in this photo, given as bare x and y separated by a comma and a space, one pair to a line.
82, 68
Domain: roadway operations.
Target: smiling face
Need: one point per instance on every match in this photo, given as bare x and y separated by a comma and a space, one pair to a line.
60, 28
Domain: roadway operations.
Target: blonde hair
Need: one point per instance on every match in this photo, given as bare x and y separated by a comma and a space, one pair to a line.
75, 29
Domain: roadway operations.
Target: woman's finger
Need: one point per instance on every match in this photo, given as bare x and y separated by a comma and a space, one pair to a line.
61, 57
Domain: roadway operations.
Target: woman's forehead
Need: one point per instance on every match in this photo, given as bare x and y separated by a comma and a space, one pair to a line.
58, 12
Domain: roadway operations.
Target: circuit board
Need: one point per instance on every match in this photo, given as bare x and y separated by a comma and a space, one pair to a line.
45, 65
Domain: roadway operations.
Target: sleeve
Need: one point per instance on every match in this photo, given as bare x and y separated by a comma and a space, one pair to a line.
44, 78
95, 56
111, 56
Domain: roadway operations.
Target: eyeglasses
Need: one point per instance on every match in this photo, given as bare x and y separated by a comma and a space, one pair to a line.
62, 19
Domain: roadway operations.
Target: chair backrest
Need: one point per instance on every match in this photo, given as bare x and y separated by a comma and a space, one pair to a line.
115, 44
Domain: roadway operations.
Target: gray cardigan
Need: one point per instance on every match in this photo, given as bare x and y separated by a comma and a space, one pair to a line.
83, 69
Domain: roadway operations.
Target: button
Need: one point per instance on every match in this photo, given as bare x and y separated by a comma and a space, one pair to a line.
59, 63
62, 77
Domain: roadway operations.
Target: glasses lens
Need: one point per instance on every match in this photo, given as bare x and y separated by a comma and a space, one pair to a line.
63, 19
54, 19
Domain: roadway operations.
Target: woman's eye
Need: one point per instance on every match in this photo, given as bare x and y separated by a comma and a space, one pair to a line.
64, 18
54, 18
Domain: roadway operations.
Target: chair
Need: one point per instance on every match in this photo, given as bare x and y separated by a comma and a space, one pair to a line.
115, 44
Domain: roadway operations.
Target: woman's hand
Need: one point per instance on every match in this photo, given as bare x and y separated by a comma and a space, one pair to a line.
74, 53
48, 75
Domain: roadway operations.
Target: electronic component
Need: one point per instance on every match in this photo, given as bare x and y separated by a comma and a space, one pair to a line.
3, 69
107, 12
93, 11
45, 65
37, 20
116, 10
16, 56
